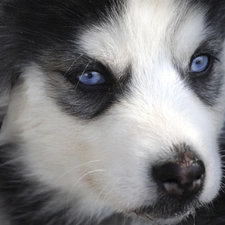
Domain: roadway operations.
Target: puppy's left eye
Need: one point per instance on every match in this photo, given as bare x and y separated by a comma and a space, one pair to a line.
200, 64
91, 78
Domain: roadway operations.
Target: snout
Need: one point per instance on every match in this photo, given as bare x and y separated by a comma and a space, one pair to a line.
179, 182
181, 178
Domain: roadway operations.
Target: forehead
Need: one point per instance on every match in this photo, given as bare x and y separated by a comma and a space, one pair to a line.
117, 30
146, 29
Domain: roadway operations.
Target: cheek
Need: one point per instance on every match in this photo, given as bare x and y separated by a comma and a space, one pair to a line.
125, 171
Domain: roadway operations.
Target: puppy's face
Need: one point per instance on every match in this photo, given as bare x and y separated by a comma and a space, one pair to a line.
110, 96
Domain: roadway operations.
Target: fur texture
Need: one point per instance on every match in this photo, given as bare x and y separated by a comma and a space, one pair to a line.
75, 153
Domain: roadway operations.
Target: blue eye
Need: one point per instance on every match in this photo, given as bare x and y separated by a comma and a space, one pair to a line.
200, 64
91, 78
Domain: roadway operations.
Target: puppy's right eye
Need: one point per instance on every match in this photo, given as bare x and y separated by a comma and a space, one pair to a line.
91, 78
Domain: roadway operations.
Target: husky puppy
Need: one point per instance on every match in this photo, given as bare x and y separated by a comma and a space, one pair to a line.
110, 107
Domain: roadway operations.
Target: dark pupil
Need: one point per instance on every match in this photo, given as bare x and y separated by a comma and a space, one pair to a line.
89, 75
199, 61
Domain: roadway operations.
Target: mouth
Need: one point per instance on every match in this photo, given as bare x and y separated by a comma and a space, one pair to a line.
166, 212
150, 216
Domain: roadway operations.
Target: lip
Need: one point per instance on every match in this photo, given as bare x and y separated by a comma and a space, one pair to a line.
150, 214
156, 219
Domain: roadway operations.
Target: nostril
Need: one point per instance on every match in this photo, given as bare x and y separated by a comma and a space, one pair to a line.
180, 180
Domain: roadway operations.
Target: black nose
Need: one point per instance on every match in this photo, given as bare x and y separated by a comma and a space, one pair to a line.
180, 180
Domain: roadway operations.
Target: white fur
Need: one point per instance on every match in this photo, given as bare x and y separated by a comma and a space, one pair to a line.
105, 161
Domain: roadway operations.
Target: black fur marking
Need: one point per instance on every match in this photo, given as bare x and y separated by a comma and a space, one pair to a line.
215, 16
46, 33
208, 88
85, 102
31, 29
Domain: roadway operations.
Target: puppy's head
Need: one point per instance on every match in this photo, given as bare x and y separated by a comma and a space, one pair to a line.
118, 104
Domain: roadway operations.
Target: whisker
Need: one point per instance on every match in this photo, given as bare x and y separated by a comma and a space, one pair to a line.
74, 168
83, 73
73, 64
74, 188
